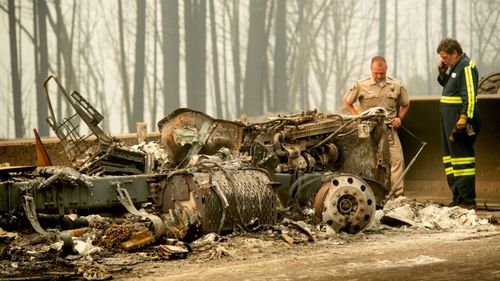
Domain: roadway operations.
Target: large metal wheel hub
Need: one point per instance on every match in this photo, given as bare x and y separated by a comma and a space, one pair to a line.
347, 203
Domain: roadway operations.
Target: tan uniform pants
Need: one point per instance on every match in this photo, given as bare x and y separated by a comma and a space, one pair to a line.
397, 162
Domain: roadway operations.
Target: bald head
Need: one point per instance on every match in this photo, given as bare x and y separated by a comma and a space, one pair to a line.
378, 68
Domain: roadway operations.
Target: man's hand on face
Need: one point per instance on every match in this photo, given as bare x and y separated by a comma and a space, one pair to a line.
442, 67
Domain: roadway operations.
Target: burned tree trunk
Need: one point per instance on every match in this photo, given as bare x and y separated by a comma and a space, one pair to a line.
215, 61
280, 88
300, 68
254, 88
235, 43
382, 26
444, 19
138, 100
16, 82
194, 17
427, 47
43, 70
67, 41
170, 34
153, 104
123, 66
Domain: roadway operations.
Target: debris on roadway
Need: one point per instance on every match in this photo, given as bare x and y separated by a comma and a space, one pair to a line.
208, 189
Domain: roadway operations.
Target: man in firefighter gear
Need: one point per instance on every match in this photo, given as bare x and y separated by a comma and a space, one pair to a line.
380, 90
459, 120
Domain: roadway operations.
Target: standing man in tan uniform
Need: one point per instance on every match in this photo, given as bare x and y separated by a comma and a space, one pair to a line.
389, 93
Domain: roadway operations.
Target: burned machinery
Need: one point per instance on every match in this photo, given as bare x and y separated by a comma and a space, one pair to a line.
211, 186
111, 174
220, 175
109, 155
337, 164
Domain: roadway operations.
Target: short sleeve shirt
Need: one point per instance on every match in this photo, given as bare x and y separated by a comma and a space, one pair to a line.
370, 94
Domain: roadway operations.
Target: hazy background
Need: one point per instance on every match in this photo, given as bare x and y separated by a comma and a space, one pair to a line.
137, 60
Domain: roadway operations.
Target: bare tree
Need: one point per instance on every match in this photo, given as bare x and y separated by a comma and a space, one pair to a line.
123, 68
224, 61
138, 99
93, 73
427, 46
322, 52
300, 59
348, 57
42, 57
454, 18
59, 61
16, 82
485, 19
253, 95
67, 39
267, 93
194, 19
215, 61
153, 102
444, 19
280, 87
235, 49
382, 27
396, 32
170, 34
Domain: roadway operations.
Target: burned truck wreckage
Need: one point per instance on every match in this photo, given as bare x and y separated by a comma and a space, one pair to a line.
203, 175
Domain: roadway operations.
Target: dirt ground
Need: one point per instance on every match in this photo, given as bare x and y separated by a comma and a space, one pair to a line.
385, 255
379, 253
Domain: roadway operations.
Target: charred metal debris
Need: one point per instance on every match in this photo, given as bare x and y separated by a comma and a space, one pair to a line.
204, 176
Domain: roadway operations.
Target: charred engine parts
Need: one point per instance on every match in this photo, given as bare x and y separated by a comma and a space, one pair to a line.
314, 142
218, 200
220, 175
299, 150
185, 133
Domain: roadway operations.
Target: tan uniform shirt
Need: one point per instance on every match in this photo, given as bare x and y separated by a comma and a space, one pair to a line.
390, 96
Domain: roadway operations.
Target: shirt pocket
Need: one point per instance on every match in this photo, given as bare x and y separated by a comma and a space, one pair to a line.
370, 99
370, 95
393, 95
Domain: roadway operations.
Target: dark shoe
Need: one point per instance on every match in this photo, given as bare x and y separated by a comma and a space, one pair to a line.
468, 206
452, 204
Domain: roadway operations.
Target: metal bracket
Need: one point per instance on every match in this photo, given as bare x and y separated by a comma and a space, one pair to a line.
126, 201
423, 143
30, 211
52, 236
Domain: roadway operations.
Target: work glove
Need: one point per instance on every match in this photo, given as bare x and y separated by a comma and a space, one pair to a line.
456, 133
462, 122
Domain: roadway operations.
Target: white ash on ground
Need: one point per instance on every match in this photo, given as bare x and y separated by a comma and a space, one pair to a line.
95, 260
403, 211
